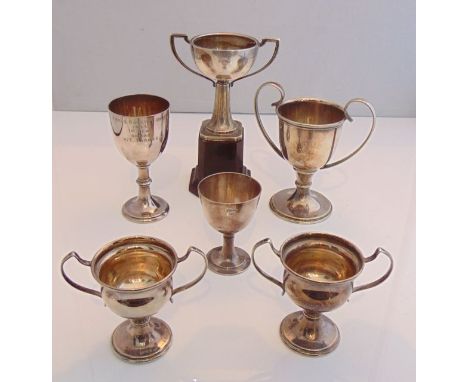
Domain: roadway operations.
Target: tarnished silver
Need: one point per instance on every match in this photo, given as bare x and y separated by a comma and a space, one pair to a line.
223, 58
229, 201
309, 129
140, 126
319, 274
135, 275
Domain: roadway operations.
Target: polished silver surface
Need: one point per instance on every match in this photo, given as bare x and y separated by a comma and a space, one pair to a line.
223, 58
140, 126
229, 201
319, 274
135, 275
309, 130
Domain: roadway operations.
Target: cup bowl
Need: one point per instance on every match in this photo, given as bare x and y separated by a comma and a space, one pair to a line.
135, 274
309, 130
319, 270
229, 200
140, 126
224, 56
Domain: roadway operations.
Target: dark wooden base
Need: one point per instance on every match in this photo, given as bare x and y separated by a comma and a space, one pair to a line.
217, 156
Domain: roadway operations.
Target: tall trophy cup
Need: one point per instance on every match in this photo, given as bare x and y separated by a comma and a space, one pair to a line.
222, 58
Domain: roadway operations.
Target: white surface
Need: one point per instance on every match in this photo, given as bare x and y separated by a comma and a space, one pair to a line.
226, 328
336, 49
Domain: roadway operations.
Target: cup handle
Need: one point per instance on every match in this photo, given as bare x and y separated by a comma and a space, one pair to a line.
264, 274
70, 281
377, 252
193, 282
275, 53
278, 87
176, 55
348, 117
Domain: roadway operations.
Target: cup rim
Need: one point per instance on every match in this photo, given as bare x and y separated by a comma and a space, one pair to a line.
109, 246
327, 126
325, 235
193, 40
229, 203
129, 96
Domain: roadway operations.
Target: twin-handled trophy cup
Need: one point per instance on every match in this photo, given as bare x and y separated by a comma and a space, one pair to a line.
308, 133
223, 59
135, 275
140, 126
319, 274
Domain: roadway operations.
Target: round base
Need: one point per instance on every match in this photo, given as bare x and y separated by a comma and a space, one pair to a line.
141, 343
237, 264
138, 211
312, 337
307, 213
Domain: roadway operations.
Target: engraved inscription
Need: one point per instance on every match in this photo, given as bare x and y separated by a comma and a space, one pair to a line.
231, 211
139, 131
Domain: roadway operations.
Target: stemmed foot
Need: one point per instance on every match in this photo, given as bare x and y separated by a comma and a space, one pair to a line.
145, 208
309, 333
141, 340
228, 259
301, 204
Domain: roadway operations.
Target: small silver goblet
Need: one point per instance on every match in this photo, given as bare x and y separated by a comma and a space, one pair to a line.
229, 201
140, 126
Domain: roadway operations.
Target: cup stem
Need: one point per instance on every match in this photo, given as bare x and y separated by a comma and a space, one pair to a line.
144, 181
221, 120
140, 321
303, 183
310, 315
228, 251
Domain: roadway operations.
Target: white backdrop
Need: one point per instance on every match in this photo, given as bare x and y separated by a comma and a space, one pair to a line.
334, 49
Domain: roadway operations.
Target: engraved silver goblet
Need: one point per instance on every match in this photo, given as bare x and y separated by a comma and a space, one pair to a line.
140, 126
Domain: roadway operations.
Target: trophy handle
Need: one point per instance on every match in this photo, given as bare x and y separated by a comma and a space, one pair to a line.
264, 274
70, 281
348, 117
176, 55
377, 252
193, 282
257, 115
275, 53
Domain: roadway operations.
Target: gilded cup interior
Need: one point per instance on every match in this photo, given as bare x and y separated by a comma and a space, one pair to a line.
229, 188
322, 258
311, 112
138, 105
224, 41
134, 263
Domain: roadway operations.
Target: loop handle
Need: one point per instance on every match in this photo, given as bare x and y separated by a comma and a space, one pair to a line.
348, 117
278, 87
70, 281
380, 280
275, 53
176, 55
195, 281
264, 274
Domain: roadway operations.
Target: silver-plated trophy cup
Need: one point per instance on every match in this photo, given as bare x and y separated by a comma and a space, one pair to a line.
309, 129
140, 126
223, 59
